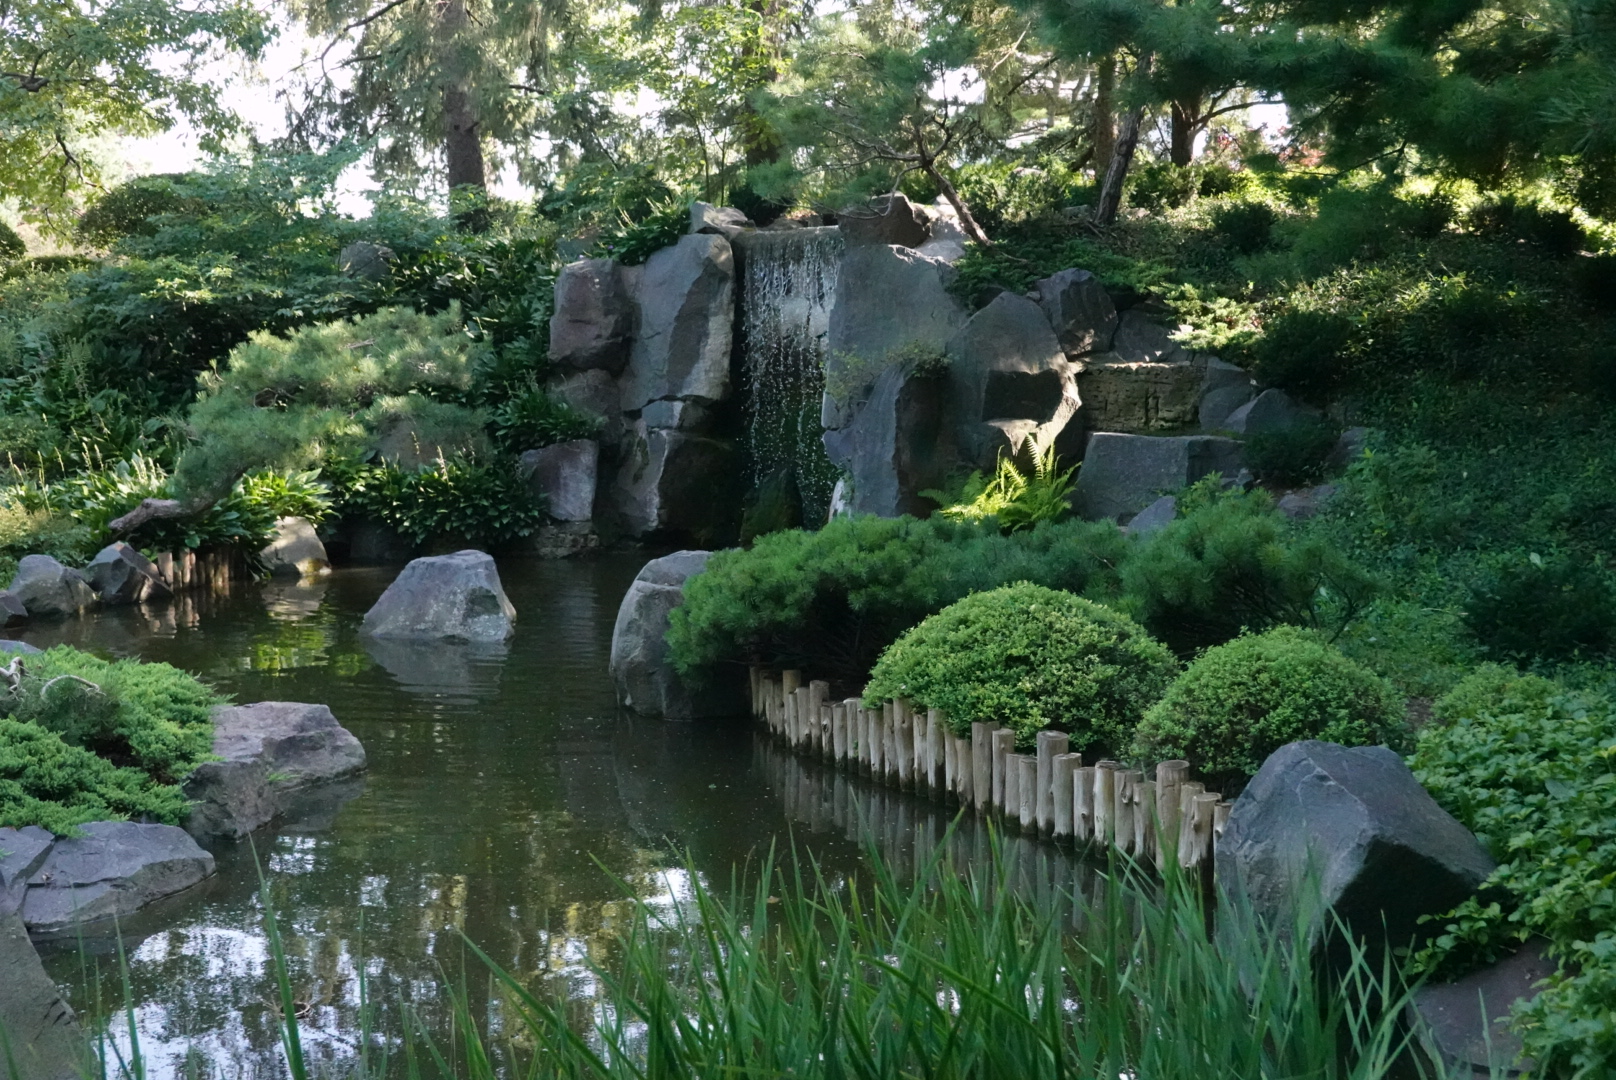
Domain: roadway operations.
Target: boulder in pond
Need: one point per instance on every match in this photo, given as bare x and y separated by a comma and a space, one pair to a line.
120, 574
564, 476
267, 752
594, 317
1348, 828
1080, 311
641, 671
13, 612
42, 1034
294, 550
48, 589
457, 597
112, 870
22, 647
1122, 474
681, 349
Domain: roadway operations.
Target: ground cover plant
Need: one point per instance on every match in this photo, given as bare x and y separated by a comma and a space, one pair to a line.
85, 739
1029, 658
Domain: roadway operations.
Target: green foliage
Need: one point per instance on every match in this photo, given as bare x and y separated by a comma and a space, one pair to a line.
1009, 193
1509, 217
1238, 702
1247, 227
29, 527
1534, 608
479, 502
532, 419
115, 748
1307, 353
11, 245
1293, 455
1230, 564
1029, 658
1013, 497
134, 207
633, 240
1021, 258
1528, 766
830, 601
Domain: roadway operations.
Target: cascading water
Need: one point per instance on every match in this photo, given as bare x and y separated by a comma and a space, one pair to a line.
788, 282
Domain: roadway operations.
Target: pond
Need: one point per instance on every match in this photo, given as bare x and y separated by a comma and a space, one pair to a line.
507, 803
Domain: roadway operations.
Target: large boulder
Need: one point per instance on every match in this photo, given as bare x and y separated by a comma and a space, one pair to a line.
890, 302
948, 238
564, 475
889, 219
594, 317
899, 444
1080, 311
1323, 826
366, 260
42, 1036
48, 589
1271, 410
1122, 474
22, 851
1010, 382
9, 646
676, 484
120, 574
13, 612
725, 221
294, 550
681, 351
1146, 383
266, 753
457, 597
111, 871
1225, 388
645, 680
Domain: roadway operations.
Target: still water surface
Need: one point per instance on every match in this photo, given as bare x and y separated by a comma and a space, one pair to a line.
504, 795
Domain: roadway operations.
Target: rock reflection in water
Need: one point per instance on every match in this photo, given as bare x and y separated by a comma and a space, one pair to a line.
455, 671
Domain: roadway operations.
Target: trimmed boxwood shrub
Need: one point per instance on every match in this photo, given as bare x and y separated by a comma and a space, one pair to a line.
1029, 658
1239, 702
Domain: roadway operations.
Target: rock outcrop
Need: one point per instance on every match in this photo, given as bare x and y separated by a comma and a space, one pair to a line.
889, 219
594, 318
366, 260
267, 752
294, 550
898, 444
120, 574
13, 612
725, 221
1079, 310
686, 302
1224, 390
1123, 474
564, 476
1146, 383
1323, 827
456, 597
111, 871
1271, 410
676, 483
641, 671
43, 1036
48, 589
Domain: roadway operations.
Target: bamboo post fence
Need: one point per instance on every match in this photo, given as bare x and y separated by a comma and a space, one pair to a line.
1049, 793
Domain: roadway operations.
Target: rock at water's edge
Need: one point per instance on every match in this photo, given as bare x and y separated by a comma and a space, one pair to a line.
564, 474
295, 550
457, 596
112, 871
120, 574
41, 1031
645, 680
49, 589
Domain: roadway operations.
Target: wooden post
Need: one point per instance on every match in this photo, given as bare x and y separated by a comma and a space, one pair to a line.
838, 732
1170, 777
1144, 822
950, 764
936, 751
921, 722
871, 757
1051, 744
1128, 810
1004, 744
889, 741
789, 715
965, 771
790, 680
754, 675
1195, 853
1187, 793
818, 691
1012, 788
906, 744
1083, 804
827, 732
807, 718
1105, 801
1220, 822
1028, 764
982, 764
1063, 768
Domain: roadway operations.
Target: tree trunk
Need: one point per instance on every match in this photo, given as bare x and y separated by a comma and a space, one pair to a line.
462, 139
1185, 116
1121, 161
1105, 132
967, 222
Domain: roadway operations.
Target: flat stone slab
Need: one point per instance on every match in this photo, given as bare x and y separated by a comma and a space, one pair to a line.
1122, 474
110, 872
1464, 1024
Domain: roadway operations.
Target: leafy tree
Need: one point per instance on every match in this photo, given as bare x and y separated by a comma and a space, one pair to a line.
71, 69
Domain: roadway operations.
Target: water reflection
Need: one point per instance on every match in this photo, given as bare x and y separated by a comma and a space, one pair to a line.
505, 799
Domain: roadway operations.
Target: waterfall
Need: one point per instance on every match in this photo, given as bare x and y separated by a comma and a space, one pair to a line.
788, 283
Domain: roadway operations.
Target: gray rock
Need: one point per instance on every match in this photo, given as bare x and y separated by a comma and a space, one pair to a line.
366, 261
1224, 389
725, 221
267, 753
948, 238
677, 416
889, 219
22, 851
645, 680
42, 1034
13, 612
1080, 311
594, 317
1010, 382
48, 589
1303, 504
1123, 474
1348, 449
681, 351
675, 483
294, 550
1465, 1025
120, 574
1323, 826
593, 393
899, 444
1145, 384
1153, 518
888, 300
18, 647
1271, 410
457, 597
112, 871
564, 474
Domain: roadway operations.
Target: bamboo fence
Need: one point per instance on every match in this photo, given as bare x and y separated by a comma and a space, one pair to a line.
1051, 792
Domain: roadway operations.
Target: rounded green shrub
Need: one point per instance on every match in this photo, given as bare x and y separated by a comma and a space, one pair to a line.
11, 245
1237, 703
1029, 658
